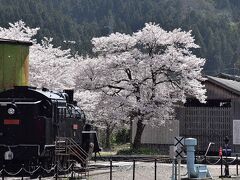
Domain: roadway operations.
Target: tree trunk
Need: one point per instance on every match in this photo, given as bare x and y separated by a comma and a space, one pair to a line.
137, 139
108, 138
131, 126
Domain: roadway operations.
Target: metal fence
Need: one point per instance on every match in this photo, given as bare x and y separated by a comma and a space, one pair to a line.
154, 161
224, 161
155, 168
39, 172
133, 169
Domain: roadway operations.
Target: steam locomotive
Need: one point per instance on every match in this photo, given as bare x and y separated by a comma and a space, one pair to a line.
31, 122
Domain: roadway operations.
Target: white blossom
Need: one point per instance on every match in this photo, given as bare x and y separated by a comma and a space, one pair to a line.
149, 71
50, 66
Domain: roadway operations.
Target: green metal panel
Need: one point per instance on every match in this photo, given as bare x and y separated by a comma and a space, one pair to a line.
13, 65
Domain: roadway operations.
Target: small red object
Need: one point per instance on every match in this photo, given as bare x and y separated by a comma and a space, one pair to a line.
220, 151
75, 126
11, 121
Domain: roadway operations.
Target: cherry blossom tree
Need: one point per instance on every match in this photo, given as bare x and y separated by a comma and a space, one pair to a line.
18, 31
105, 112
50, 66
149, 72
109, 115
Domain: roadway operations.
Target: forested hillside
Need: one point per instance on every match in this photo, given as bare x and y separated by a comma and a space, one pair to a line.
215, 23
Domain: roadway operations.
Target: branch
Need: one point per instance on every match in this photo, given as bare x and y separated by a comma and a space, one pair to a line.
121, 80
115, 87
128, 71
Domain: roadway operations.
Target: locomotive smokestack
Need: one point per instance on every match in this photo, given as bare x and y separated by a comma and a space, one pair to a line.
70, 93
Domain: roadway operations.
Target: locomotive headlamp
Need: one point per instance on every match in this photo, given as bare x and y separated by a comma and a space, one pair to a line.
11, 111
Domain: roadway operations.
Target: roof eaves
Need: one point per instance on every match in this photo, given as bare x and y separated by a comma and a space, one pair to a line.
17, 42
232, 90
223, 85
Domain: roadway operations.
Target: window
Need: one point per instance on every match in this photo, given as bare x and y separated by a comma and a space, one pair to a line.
74, 112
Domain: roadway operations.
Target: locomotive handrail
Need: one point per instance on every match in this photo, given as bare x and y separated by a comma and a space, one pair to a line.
62, 139
80, 148
77, 154
69, 146
25, 102
82, 155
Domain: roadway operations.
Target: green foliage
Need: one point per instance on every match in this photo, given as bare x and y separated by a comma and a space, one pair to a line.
215, 23
122, 136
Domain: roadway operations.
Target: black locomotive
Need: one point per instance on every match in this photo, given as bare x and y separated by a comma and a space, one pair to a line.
32, 122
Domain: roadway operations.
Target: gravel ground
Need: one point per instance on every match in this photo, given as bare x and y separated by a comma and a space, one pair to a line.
145, 171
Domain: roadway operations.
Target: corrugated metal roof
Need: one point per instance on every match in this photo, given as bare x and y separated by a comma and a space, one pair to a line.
228, 84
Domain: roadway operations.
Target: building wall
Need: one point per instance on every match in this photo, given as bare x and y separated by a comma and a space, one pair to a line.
159, 137
206, 124
13, 65
211, 124
215, 91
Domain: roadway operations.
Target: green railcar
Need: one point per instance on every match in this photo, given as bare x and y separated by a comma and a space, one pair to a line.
14, 63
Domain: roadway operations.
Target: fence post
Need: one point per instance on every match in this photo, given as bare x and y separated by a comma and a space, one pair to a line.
133, 169
56, 171
3, 168
237, 163
110, 168
22, 171
221, 166
72, 170
155, 167
41, 170
175, 162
